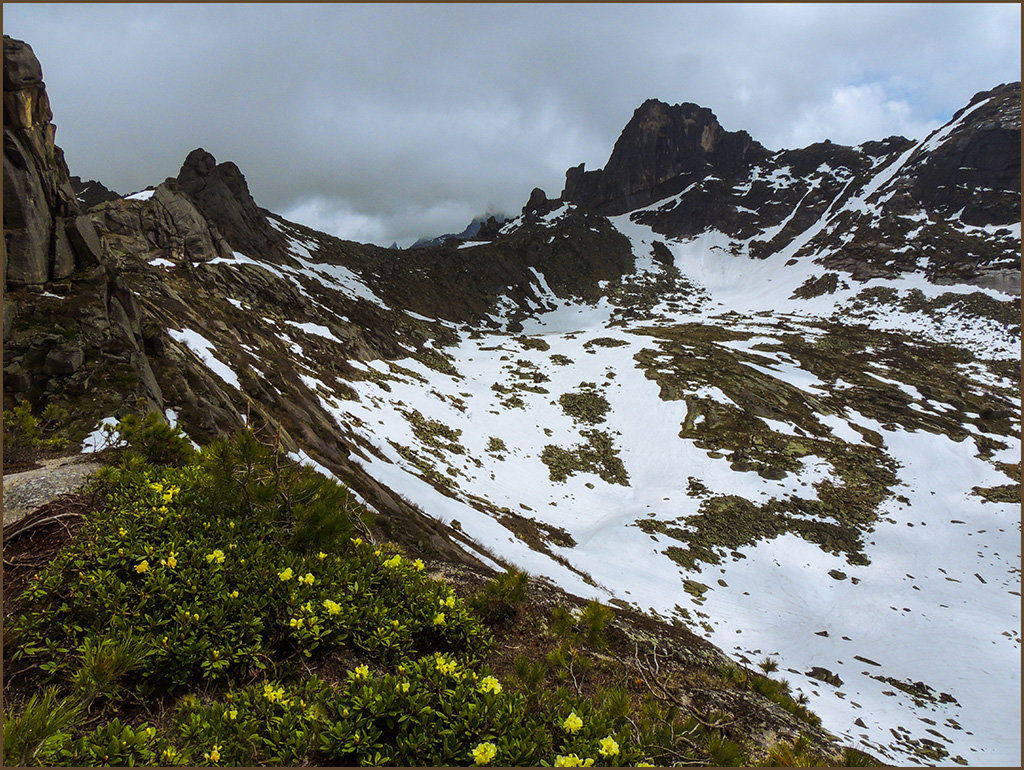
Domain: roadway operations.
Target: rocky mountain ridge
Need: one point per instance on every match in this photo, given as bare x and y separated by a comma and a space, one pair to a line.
699, 354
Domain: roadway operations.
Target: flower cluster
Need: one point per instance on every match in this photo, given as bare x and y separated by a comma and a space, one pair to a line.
484, 753
572, 761
490, 684
572, 723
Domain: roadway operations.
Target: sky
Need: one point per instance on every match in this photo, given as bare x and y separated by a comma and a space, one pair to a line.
382, 123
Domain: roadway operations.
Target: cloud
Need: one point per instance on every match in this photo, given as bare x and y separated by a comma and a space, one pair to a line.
389, 122
853, 114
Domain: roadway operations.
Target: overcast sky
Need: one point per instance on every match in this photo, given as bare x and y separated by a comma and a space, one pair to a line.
388, 122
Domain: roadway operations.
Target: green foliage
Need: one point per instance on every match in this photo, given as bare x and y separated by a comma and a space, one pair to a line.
118, 745
437, 710
43, 723
497, 601
105, 662
198, 566
593, 619
22, 429
215, 588
153, 439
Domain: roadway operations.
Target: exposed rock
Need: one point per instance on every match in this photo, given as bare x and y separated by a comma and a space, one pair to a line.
91, 193
977, 168
661, 150
222, 195
167, 225
38, 196
85, 241
63, 361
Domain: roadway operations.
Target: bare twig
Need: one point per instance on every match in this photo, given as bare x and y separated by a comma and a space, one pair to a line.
27, 525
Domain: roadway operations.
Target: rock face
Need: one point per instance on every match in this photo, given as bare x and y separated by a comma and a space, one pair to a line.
91, 193
221, 193
661, 150
167, 225
977, 168
44, 238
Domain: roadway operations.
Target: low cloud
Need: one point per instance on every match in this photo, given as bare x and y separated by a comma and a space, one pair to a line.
385, 122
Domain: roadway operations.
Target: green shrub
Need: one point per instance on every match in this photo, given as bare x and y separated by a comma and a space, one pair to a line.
42, 725
497, 601
22, 429
153, 439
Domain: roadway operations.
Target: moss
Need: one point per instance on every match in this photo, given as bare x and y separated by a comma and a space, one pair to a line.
533, 343
605, 342
433, 433
586, 405
598, 456
1005, 493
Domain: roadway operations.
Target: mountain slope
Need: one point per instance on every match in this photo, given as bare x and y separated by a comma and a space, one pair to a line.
774, 395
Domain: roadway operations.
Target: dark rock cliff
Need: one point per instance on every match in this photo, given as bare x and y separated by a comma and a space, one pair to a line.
662, 149
221, 193
45, 235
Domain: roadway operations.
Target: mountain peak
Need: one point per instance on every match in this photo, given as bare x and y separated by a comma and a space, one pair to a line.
662, 148
222, 194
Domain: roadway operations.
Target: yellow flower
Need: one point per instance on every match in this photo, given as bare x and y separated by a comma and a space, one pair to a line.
418, 565
449, 602
157, 486
356, 540
490, 684
362, 672
233, 714
285, 574
172, 560
215, 754
142, 566
403, 687
645, 764
296, 623
217, 557
233, 594
394, 561
439, 619
122, 531
321, 556
446, 666
332, 607
572, 723
307, 579
484, 753
572, 761
395, 623
609, 748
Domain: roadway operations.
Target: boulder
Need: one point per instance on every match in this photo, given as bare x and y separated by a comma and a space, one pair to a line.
85, 241
62, 360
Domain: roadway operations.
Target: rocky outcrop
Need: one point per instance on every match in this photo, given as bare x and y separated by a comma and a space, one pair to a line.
662, 149
976, 169
91, 193
45, 238
166, 225
222, 195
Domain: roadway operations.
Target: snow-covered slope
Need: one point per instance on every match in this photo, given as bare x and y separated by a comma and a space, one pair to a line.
780, 403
